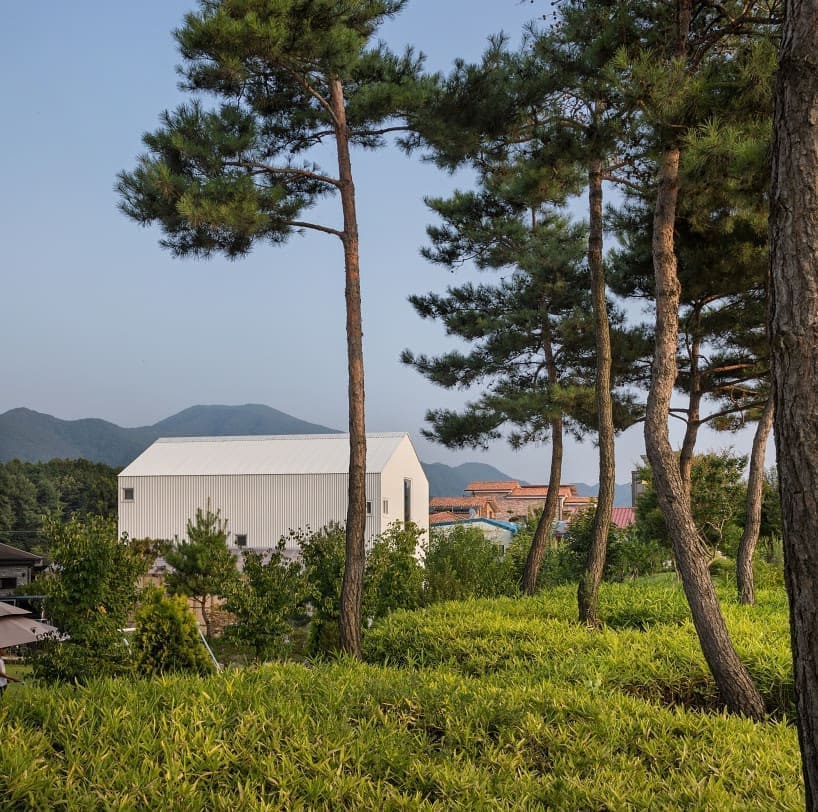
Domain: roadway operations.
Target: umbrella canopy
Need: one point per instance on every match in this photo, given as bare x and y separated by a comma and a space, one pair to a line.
17, 628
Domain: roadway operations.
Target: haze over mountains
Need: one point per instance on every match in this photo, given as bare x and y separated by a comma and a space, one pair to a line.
35, 437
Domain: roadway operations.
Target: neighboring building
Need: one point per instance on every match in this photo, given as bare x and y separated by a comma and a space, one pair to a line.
497, 531
623, 517
516, 501
466, 507
265, 486
17, 568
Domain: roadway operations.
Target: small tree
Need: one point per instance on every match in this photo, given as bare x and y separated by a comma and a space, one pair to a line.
202, 565
394, 576
323, 556
462, 563
264, 601
167, 637
90, 595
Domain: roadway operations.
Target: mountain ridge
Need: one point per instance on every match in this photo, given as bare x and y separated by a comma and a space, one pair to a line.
33, 436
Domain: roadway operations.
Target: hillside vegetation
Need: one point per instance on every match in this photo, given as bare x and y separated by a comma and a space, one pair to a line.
502, 704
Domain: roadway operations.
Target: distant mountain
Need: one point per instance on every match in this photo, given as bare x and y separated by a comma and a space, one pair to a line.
29, 435
622, 493
445, 480
34, 437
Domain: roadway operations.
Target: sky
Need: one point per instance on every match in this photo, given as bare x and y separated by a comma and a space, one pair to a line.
100, 321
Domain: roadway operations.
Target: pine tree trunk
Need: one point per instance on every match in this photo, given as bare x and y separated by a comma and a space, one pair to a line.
542, 534
732, 679
349, 621
794, 352
755, 490
693, 407
588, 591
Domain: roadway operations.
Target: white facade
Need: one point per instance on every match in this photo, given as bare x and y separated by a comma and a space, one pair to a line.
266, 486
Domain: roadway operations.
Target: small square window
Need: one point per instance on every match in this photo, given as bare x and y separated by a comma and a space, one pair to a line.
386, 506
241, 539
369, 508
127, 494
8, 583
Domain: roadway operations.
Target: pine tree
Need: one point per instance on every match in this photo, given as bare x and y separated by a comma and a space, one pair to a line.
289, 75
794, 350
673, 75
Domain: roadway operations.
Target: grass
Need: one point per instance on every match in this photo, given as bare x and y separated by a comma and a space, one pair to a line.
480, 705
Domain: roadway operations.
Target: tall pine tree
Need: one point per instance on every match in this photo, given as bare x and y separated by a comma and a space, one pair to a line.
288, 75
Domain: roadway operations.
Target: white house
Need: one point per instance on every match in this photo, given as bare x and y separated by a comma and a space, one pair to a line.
266, 486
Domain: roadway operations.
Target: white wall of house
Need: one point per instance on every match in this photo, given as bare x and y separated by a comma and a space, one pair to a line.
403, 466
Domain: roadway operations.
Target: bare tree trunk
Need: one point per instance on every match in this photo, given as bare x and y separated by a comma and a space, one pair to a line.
755, 489
732, 678
349, 621
588, 590
794, 352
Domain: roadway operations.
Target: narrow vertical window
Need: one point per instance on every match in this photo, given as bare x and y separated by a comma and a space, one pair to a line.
407, 500
386, 506
369, 508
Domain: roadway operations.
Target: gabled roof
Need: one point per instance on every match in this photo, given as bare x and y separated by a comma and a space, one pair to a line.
445, 517
623, 516
272, 454
9, 554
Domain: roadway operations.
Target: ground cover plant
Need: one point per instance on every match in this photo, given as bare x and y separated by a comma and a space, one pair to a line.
483, 704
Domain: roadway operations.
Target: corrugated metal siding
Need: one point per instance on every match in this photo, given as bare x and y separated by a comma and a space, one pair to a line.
263, 506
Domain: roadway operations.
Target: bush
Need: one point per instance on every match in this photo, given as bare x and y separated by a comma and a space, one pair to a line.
394, 577
167, 636
462, 563
350, 736
266, 600
90, 595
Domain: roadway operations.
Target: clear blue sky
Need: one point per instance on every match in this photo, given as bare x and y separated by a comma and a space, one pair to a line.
99, 321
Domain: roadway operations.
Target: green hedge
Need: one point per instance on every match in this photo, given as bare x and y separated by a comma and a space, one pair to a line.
348, 736
649, 647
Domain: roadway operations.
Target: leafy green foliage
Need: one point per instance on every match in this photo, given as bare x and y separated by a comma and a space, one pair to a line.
393, 577
323, 555
90, 595
265, 600
462, 563
717, 501
556, 717
167, 637
202, 565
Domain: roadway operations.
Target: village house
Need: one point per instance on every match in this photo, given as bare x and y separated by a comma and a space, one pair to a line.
514, 501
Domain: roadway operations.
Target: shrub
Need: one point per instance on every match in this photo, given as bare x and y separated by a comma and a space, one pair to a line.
265, 601
394, 577
462, 563
351, 736
167, 636
323, 556
90, 594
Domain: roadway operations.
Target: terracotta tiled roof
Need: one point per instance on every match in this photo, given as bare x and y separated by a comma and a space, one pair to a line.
459, 501
493, 487
444, 517
623, 516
